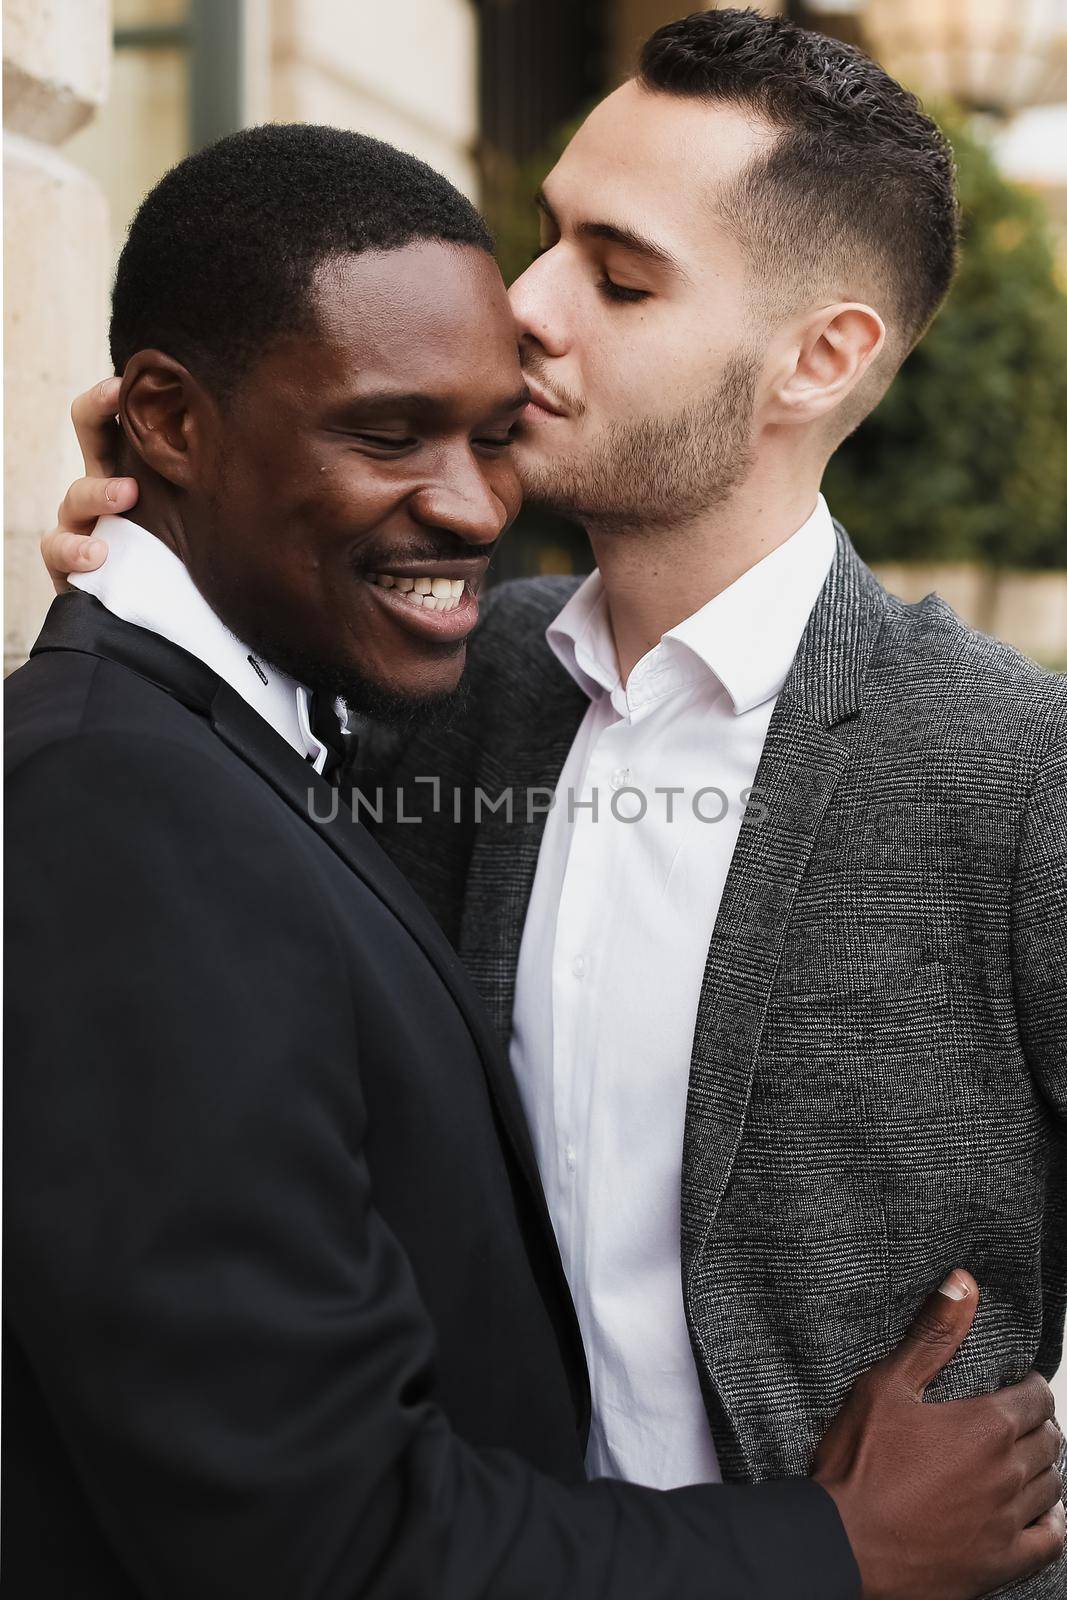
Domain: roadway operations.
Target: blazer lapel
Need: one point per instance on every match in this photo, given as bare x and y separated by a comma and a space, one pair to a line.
79, 622
801, 765
325, 808
504, 856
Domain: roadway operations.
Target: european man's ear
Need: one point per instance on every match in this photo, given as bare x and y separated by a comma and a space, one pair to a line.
835, 351
161, 409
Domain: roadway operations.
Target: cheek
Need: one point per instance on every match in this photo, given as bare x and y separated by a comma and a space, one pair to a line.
503, 482
620, 361
340, 505
650, 375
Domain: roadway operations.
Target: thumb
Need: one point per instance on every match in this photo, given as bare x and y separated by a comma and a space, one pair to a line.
941, 1324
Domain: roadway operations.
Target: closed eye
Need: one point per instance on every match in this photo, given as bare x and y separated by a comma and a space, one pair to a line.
497, 441
383, 441
618, 292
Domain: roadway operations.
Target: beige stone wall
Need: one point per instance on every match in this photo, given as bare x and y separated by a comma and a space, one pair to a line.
1025, 609
138, 134
56, 60
405, 71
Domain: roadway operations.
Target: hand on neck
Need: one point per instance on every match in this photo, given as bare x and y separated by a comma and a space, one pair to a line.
654, 578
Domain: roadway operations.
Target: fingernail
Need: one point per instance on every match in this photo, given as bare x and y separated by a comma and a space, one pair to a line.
106, 389
94, 550
955, 1287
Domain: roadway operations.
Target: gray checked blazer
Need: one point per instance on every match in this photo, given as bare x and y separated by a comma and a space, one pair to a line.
878, 1084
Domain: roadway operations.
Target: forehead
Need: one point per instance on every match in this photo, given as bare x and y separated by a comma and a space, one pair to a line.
430, 313
656, 162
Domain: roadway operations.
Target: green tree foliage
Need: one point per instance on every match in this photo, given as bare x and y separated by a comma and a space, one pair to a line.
508, 189
966, 457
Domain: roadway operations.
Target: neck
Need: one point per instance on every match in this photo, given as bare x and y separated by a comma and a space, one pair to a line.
654, 578
157, 510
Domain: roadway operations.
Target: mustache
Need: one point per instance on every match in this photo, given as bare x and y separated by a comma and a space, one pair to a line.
534, 364
446, 547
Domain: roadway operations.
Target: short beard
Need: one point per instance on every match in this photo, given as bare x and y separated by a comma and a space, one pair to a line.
364, 698
659, 472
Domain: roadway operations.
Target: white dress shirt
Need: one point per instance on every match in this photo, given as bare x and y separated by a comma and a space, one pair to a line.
610, 970
145, 583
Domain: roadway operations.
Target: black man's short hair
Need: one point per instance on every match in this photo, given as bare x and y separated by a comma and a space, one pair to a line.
219, 259
860, 183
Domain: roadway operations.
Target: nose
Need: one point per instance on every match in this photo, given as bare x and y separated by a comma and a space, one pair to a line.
537, 303
461, 502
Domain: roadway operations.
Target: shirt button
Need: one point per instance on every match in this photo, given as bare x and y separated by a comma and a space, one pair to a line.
619, 777
578, 966
572, 1157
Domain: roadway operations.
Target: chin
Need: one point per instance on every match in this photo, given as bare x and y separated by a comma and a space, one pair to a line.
421, 699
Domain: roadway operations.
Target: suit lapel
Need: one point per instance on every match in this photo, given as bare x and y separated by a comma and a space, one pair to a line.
802, 763
79, 622
504, 856
324, 807
798, 773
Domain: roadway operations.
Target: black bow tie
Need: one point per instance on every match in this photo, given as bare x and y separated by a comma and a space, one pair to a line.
326, 726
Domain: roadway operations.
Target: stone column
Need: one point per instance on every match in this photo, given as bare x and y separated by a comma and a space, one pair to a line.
56, 252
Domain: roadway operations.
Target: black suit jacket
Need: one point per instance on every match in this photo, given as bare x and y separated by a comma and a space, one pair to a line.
284, 1313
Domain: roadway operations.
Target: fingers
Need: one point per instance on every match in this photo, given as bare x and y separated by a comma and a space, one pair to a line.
940, 1327
1037, 1451
1027, 1405
68, 548
1039, 1497
1038, 1546
67, 553
93, 416
89, 498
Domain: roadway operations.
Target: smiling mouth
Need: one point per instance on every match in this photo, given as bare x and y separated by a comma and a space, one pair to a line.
423, 593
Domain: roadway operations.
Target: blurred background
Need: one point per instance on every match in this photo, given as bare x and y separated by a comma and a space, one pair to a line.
957, 483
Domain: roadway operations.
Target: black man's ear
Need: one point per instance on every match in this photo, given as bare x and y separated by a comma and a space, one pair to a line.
162, 409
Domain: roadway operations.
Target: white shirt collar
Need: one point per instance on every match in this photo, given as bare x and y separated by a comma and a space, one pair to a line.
146, 584
747, 636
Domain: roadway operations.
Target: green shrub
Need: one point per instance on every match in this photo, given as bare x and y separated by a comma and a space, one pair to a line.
966, 457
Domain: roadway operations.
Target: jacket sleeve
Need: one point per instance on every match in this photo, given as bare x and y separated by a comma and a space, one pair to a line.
1039, 964
229, 1338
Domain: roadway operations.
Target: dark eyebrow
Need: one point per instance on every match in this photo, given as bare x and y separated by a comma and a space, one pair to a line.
625, 238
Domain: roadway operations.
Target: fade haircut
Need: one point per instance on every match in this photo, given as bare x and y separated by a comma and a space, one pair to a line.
860, 185
221, 256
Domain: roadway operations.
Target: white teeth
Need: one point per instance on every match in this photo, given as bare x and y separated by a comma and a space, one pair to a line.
432, 594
